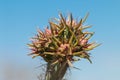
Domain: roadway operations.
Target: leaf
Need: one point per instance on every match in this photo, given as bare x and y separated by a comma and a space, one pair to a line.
76, 68
55, 20
70, 51
84, 19
63, 20
85, 27
92, 47
49, 53
71, 38
54, 25
89, 59
77, 53
57, 40
78, 25
55, 62
52, 28
88, 37
30, 45
89, 34
70, 18
60, 31
60, 54
39, 31
75, 40
55, 44
35, 55
69, 63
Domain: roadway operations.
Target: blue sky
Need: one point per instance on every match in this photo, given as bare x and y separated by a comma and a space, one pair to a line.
19, 20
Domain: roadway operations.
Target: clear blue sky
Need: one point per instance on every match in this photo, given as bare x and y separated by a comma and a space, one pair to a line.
19, 20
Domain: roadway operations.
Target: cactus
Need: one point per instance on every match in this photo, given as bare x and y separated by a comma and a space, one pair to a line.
61, 44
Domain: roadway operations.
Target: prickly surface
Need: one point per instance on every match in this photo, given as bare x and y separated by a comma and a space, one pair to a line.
64, 40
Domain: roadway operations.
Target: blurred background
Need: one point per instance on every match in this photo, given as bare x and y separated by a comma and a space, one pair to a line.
19, 20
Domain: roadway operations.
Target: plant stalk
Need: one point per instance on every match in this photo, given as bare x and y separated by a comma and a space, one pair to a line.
56, 72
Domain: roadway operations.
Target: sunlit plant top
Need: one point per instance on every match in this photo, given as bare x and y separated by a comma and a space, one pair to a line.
65, 39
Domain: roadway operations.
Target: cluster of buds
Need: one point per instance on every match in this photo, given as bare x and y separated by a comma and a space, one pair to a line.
64, 40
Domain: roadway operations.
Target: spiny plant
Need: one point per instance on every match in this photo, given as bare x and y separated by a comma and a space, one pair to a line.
61, 44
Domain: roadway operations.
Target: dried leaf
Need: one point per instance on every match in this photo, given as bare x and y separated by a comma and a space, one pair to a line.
69, 63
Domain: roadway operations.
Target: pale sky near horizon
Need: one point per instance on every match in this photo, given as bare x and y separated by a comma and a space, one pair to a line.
19, 20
